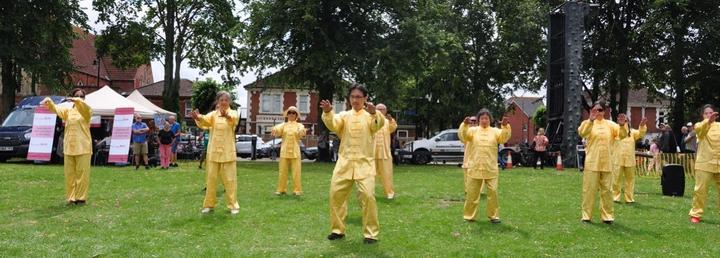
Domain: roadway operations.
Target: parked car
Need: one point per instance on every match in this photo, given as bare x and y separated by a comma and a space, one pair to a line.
272, 149
243, 145
16, 130
444, 146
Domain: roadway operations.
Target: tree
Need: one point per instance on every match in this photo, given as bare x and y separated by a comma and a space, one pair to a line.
204, 93
318, 43
540, 117
35, 38
682, 39
614, 50
202, 32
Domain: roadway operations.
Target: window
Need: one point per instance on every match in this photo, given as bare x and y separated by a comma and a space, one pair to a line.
304, 103
661, 117
271, 103
188, 109
402, 133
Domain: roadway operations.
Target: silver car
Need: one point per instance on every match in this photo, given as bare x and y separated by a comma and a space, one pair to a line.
243, 145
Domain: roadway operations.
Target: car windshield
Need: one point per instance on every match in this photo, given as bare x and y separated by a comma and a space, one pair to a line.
20, 117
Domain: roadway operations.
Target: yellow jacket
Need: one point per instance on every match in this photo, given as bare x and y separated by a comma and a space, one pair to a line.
221, 147
382, 140
708, 152
626, 146
291, 133
77, 140
482, 149
601, 136
356, 129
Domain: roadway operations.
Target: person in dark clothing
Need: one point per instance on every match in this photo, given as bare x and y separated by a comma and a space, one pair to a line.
668, 144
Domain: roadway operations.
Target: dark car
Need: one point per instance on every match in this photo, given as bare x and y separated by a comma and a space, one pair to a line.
271, 149
16, 129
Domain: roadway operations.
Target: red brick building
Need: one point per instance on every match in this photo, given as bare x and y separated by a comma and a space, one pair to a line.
92, 72
520, 111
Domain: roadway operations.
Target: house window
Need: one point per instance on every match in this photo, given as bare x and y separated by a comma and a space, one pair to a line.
271, 103
661, 117
188, 109
402, 133
304, 103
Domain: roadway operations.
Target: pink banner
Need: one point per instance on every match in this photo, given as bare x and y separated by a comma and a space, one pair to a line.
42, 135
120, 139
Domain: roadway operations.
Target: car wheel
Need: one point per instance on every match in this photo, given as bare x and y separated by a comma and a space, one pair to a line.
421, 157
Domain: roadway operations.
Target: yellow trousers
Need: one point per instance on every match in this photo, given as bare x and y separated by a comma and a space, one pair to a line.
228, 175
296, 168
472, 198
703, 180
629, 174
340, 191
384, 169
77, 177
592, 182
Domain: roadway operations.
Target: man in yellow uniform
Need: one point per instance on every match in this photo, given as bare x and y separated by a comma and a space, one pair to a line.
625, 159
291, 133
383, 155
356, 129
601, 135
221, 153
482, 152
473, 123
707, 162
77, 146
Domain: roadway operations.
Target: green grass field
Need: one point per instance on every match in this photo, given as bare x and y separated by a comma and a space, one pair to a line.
157, 213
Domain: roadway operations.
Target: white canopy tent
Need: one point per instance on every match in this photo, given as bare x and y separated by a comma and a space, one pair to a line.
137, 97
105, 100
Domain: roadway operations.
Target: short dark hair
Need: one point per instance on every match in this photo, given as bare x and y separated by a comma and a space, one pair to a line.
484, 112
360, 87
601, 103
706, 106
72, 93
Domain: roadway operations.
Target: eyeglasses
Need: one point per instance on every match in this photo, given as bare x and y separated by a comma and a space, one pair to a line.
292, 113
599, 110
473, 120
82, 97
356, 97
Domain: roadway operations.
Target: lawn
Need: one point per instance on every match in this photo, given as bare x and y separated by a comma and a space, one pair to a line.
157, 213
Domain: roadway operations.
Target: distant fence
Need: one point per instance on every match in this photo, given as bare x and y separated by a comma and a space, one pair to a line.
643, 163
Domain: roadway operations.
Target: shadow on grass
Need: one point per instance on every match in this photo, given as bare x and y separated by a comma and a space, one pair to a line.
54, 210
483, 227
621, 227
642, 206
355, 247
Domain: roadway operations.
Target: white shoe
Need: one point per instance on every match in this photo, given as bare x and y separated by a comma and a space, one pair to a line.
391, 196
206, 210
234, 211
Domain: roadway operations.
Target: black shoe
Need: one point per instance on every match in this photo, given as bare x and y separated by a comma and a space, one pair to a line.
369, 241
136, 167
609, 222
586, 221
147, 167
495, 221
80, 202
335, 236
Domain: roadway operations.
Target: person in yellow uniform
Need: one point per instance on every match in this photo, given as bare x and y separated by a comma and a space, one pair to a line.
600, 135
77, 146
291, 133
473, 123
482, 171
707, 161
356, 129
625, 159
221, 154
383, 155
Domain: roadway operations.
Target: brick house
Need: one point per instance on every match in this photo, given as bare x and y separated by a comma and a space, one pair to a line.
520, 111
91, 72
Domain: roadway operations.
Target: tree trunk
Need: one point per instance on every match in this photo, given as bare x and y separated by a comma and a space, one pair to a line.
169, 102
9, 85
325, 91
